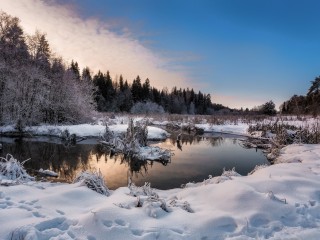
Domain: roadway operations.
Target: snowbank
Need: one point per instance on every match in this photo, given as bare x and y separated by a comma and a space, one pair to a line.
86, 130
281, 201
239, 129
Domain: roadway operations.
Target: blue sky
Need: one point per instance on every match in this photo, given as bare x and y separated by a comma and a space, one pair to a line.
243, 53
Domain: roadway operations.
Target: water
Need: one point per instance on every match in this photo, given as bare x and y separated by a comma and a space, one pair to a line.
194, 159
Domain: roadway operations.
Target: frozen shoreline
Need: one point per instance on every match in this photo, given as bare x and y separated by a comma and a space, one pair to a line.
84, 130
281, 201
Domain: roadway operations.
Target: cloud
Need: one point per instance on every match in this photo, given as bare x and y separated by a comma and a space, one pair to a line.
93, 43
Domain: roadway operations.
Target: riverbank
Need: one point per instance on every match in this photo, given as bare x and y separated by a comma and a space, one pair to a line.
80, 130
276, 202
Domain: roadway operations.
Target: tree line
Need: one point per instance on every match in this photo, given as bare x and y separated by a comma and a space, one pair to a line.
120, 96
38, 87
35, 86
308, 104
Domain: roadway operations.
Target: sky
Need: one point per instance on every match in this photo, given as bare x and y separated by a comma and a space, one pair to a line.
243, 53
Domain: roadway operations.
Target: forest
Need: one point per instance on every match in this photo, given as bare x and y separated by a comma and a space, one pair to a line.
36, 86
308, 104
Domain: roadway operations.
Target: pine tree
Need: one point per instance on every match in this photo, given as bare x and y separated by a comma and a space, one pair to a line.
39, 50
146, 90
121, 84
75, 70
136, 89
13, 48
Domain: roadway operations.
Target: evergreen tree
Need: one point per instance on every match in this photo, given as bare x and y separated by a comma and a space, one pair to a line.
86, 75
136, 89
269, 108
121, 84
146, 90
75, 70
315, 87
39, 50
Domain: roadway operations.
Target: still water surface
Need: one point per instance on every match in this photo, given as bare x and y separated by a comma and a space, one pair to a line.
195, 157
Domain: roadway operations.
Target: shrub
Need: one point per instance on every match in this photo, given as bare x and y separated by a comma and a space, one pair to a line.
94, 181
12, 169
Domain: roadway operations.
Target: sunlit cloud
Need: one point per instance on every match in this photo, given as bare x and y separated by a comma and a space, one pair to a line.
94, 43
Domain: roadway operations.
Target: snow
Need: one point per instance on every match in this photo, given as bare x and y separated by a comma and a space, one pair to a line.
239, 128
48, 172
281, 201
154, 153
86, 130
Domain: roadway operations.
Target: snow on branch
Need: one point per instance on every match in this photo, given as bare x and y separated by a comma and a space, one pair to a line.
94, 181
134, 143
12, 169
153, 205
48, 172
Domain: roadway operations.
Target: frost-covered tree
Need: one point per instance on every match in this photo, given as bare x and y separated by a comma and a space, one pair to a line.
34, 87
147, 108
13, 48
39, 50
191, 108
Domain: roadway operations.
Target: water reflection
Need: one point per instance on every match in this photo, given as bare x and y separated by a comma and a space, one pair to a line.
195, 157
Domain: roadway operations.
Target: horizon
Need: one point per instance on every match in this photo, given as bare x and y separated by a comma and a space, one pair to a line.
243, 54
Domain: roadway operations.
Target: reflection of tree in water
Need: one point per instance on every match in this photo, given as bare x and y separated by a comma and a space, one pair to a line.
68, 161
135, 166
216, 141
188, 139
56, 157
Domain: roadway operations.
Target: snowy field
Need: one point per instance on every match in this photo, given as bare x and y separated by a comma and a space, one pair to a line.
281, 201
155, 132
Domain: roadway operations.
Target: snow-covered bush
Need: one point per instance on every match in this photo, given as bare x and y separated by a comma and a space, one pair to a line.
141, 133
134, 143
94, 181
68, 138
147, 108
134, 136
108, 134
152, 203
285, 134
12, 169
145, 190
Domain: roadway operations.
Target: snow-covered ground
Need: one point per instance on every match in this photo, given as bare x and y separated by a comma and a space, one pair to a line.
240, 128
281, 201
120, 123
85, 130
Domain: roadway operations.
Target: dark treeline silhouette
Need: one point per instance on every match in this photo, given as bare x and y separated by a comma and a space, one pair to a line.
141, 97
37, 87
309, 104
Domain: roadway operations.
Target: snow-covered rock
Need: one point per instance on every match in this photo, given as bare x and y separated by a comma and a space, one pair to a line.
48, 172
